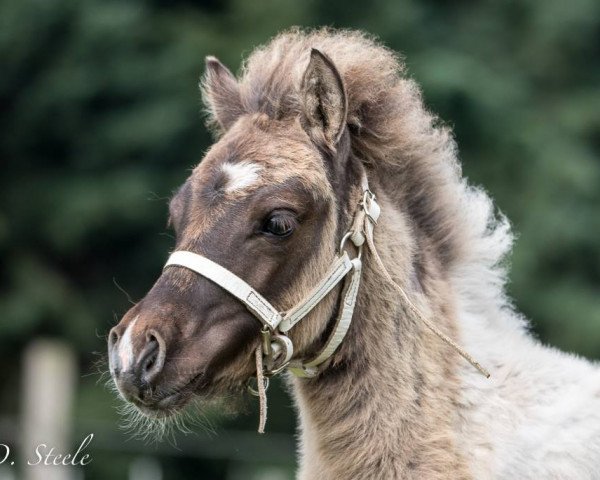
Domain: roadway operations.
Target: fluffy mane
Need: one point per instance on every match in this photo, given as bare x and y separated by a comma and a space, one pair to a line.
393, 133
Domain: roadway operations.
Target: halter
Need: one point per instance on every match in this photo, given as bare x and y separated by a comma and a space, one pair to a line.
275, 352
277, 348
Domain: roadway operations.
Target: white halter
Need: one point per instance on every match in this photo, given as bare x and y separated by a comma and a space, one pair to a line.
277, 347
276, 350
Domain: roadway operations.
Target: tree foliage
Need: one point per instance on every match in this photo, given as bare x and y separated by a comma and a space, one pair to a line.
101, 120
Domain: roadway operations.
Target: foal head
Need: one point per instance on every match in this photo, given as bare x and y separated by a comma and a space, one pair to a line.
269, 202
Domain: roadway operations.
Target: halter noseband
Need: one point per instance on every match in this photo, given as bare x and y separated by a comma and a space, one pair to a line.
277, 348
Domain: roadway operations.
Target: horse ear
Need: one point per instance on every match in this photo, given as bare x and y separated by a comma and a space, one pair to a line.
221, 93
324, 100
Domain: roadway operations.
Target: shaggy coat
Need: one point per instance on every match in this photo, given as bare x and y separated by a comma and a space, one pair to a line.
396, 402
309, 113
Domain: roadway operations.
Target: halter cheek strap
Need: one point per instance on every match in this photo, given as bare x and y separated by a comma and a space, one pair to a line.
310, 368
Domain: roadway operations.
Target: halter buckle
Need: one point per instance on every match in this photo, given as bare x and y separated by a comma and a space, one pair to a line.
265, 335
277, 351
370, 206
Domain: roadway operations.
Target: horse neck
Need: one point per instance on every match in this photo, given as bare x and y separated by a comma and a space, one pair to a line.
384, 406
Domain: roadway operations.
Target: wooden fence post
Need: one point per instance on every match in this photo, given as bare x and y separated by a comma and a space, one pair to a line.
49, 383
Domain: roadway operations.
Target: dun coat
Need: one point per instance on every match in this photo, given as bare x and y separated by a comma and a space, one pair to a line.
309, 113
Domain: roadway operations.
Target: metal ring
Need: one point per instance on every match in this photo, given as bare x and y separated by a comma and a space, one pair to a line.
286, 345
285, 350
254, 391
344, 240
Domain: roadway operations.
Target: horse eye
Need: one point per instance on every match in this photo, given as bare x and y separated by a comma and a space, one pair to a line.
279, 225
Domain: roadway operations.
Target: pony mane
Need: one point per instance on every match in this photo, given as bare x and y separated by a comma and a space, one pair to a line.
394, 134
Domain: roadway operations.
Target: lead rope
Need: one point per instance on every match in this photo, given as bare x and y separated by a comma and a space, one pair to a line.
367, 234
412, 307
261, 389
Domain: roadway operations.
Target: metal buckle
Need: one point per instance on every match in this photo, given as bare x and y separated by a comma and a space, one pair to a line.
265, 334
366, 202
277, 351
366, 206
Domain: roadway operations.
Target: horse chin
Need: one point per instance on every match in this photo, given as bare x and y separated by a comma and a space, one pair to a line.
203, 395
166, 407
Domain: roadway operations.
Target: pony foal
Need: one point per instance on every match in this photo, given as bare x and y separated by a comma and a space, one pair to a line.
313, 117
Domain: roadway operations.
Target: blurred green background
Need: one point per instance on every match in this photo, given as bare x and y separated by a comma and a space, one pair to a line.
101, 120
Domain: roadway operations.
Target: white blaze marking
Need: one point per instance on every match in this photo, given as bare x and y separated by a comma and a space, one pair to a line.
126, 347
240, 175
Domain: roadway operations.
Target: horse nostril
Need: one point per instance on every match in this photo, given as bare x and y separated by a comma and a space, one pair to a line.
113, 357
113, 338
152, 358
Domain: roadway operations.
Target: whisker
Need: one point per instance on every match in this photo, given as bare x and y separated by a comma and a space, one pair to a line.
123, 291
